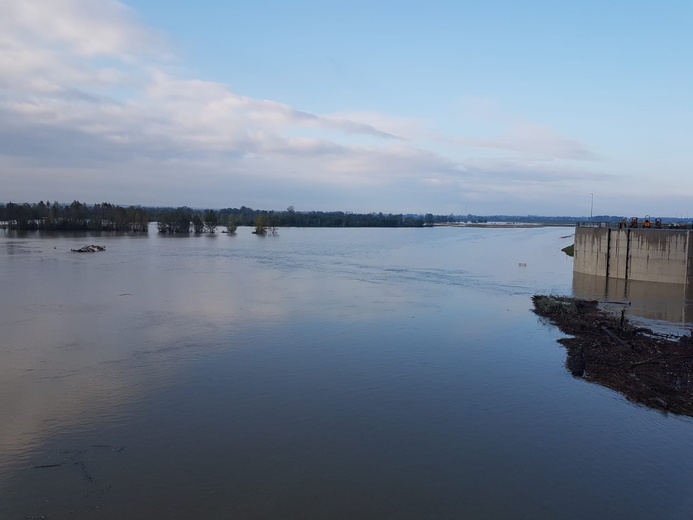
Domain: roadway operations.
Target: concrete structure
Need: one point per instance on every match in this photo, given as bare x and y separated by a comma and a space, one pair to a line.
649, 255
672, 302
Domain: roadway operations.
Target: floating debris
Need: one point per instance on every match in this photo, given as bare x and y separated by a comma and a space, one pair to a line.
646, 367
47, 465
89, 249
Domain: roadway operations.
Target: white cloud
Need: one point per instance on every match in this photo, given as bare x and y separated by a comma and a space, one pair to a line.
537, 141
89, 103
83, 28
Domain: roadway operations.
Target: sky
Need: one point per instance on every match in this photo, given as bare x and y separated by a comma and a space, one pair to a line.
484, 107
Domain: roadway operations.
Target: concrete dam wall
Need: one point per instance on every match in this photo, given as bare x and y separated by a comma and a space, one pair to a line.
650, 255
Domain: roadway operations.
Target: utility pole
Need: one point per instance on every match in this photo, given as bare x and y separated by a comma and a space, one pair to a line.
591, 206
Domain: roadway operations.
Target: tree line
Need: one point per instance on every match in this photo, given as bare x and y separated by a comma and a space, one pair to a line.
76, 216
291, 218
180, 220
109, 217
184, 219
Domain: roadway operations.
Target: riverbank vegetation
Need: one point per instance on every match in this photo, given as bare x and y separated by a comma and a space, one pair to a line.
74, 217
646, 367
245, 216
105, 216
79, 216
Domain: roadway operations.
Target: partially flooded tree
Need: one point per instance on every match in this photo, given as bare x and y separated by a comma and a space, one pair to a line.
198, 224
231, 225
260, 226
182, 220
211, 220
175, 221
76, 216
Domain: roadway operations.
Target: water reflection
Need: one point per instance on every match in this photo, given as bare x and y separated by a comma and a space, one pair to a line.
348, 373
653, 301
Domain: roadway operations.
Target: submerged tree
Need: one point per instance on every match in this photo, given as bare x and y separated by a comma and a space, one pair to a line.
211, 220
231, 225
175, 221
76, 216
260, 226
198, 224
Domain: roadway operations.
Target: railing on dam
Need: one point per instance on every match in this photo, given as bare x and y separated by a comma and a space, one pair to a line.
619, 225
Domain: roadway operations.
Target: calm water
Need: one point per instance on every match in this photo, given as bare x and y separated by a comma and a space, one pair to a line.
319, 374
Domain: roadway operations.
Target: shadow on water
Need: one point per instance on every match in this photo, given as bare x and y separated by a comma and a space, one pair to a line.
653, 301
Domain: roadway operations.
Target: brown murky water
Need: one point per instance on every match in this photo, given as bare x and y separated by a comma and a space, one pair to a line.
357, 373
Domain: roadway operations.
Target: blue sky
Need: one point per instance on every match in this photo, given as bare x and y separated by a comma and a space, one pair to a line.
446, 107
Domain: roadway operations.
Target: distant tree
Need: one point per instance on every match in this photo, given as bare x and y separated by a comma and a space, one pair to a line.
211, 221
140, 220
231, 225
41, 210
198, 224
165, 222
76, 216
260, 226
175, 221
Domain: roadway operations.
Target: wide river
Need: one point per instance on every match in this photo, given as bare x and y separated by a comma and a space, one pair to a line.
318, 374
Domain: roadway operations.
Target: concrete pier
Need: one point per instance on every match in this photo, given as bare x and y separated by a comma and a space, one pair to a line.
650, 255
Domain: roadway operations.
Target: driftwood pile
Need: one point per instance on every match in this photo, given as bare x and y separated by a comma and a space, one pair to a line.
89, 249
646, 367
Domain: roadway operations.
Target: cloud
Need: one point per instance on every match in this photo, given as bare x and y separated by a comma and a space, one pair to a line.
81, 28
90, 102
533, 140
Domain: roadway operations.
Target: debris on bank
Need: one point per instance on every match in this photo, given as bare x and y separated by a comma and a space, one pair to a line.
646, 367
89, 249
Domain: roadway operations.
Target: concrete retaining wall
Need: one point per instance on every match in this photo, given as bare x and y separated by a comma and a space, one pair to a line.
651, 255
590, 255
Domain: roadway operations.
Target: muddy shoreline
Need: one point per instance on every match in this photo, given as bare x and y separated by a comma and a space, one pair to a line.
648, 368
